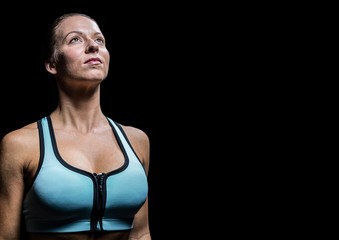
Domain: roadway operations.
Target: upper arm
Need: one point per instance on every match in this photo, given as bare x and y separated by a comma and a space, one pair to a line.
141, 145
11, 185
141, 230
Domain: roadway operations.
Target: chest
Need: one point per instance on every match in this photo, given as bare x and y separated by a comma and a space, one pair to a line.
95, 152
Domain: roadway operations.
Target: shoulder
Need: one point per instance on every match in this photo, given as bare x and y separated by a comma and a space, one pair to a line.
139, 141
136, 134
20, 136
17, 143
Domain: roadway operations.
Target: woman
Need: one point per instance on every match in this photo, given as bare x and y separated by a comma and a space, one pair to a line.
75, 174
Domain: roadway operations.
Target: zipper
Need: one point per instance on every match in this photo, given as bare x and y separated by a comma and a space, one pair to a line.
99, 202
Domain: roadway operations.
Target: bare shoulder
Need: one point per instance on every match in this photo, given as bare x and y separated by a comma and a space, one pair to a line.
20, 136
140, 142
136, 134
18, 144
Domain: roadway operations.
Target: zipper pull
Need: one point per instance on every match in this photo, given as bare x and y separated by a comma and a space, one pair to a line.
99, 202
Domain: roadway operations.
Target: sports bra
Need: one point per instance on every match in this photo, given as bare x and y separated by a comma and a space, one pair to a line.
63, 198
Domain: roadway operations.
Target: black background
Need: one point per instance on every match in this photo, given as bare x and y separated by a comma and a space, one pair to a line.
207, 83
199, 80
157, 82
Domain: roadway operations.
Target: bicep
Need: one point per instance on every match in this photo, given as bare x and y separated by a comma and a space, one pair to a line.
141, 224
11, 190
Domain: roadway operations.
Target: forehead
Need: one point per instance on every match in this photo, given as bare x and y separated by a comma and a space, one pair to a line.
77, 24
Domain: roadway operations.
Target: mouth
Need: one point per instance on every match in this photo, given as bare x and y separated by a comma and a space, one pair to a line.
93, 61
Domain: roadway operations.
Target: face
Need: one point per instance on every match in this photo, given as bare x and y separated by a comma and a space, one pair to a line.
81, 50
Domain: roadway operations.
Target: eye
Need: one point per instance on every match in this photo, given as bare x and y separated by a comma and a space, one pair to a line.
75, 39
100, 41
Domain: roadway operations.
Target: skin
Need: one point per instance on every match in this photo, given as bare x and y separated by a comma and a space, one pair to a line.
84, 138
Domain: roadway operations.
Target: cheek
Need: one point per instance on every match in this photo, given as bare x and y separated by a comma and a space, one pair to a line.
71, 55
72, 61
106, 56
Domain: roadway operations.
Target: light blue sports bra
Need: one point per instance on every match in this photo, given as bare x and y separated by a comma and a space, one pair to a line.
64, 199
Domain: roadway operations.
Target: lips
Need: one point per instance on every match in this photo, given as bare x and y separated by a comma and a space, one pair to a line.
93, 60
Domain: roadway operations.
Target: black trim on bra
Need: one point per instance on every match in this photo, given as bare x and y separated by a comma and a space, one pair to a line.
67, 165
127, 140
41, 157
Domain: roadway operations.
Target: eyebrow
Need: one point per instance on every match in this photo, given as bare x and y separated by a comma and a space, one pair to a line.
81, 33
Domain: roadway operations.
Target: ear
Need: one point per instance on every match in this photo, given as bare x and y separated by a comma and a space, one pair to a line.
50, 67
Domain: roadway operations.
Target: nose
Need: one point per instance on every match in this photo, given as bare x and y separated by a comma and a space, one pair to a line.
92, 47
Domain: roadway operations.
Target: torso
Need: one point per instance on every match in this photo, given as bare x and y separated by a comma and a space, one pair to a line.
94, 153
91, 152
